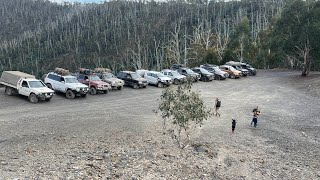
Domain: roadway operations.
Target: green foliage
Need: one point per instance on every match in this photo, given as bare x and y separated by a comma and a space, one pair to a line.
295, 37
239, 46
183, 107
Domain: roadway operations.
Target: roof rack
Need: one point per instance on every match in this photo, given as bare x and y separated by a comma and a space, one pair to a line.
101, 70
85, 71
62, 71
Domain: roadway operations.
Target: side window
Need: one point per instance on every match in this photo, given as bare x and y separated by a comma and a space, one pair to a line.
120, 75
149, 74
184, 71
54, 77
81, 76
165, 73
170, 74
154, 75
24, 84
50, 76
85, 77
128, 76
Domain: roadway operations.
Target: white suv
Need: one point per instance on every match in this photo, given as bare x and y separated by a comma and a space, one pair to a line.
157, 78
175, 76
66, 84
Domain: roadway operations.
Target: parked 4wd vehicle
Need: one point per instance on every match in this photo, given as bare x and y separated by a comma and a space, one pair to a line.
177, 66
94, 83
66, 84
189, 73
132, 79
252, 71
238, 67
205, 75
157, 78
115, 82
218, 74
175, 76
233, 73
107, 76
24, 84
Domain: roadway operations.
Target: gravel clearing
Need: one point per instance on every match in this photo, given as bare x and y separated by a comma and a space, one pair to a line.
117, 136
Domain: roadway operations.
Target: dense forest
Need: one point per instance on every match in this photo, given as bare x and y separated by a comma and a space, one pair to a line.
37, 35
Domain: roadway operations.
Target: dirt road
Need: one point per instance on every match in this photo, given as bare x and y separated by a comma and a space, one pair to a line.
117, 136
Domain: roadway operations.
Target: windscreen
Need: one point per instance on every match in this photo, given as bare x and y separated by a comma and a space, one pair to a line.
95, 78
135, 76
71, 80
36, 84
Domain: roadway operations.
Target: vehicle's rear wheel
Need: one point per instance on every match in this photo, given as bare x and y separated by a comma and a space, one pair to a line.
135, 86
119, 87
70, 94
160, 84
49, 86
9, 91
93, 91
176, 81
33, 98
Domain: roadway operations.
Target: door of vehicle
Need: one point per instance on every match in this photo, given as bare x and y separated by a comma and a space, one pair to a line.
24, 88
128, 79
152, 78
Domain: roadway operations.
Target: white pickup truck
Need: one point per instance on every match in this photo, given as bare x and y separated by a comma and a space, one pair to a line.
17, 82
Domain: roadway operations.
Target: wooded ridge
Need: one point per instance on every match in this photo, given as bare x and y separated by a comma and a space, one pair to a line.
37, 35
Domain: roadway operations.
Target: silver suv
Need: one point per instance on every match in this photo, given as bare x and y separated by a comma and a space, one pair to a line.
175, 76
66, 84
157, 78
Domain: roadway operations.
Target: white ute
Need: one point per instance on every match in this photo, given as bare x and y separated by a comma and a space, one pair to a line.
17, 82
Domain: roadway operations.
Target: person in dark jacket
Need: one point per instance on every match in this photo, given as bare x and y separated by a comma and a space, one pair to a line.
256, 112
217, 107
234, 122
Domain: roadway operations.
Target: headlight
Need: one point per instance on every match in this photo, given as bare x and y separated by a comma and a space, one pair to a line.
77, 89
140, 82
113, 84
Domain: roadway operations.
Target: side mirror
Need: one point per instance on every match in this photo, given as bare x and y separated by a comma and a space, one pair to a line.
62, 82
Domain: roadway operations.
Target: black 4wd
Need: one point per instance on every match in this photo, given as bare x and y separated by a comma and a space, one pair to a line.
132, 79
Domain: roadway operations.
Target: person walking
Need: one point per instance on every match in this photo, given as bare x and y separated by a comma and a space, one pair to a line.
256, 112
233, 127
217, 107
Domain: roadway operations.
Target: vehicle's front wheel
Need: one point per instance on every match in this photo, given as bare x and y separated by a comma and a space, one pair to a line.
176, 81
9, 91
232, 76
70, 94
106, 91
160, 84
49, 99
33, 98
49, 86
93, 91
135, 86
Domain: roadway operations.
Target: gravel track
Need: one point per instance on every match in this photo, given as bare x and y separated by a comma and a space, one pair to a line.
117, 136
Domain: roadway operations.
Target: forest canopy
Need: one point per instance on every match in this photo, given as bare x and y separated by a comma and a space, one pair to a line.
37, 35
